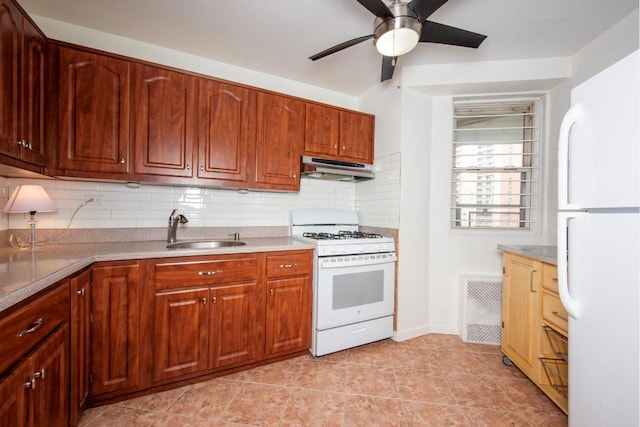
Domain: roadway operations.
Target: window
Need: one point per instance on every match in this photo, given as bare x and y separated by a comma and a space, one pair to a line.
496, 158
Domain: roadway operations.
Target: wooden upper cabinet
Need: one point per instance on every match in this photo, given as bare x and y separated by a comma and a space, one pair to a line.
164, 117
279, 139
33, 92
226, 145
338, 134
356, 137
322, 130
93, 112
22, 86
11, 30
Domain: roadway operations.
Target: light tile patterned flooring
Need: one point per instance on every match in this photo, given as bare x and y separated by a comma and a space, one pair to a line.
433, 380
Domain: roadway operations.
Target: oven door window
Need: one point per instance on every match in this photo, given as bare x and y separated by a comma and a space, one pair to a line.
356, 289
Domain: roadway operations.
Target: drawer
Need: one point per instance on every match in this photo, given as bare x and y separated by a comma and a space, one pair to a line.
290, 264
553, 312
210, 271
23, 330
550, 277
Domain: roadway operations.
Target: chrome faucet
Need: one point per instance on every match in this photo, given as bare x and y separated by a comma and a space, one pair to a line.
173, 225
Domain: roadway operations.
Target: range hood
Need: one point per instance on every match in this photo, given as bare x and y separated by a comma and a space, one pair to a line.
335, 170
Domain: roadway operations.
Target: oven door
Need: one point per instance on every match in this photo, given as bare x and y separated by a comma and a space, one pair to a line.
352, 289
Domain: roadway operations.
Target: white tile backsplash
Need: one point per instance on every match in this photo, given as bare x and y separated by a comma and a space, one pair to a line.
377, 202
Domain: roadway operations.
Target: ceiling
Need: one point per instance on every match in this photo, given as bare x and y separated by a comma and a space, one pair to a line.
277, 37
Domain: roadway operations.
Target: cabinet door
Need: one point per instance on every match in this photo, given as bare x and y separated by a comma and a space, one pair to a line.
115, 338
322, 130
93, 112
33, 90
80, 343
164, 108
226, 146
280, 134
236, 319
14, 397
288, 320
51, 373
521, 287
356, 137
181, 333
10, 28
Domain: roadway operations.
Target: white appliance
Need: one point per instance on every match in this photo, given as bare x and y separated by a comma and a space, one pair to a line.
353, 285
598, 245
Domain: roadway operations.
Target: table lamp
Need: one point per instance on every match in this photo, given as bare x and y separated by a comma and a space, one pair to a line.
32, 199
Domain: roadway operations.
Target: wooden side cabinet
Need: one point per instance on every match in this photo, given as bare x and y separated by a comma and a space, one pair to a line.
521, 296
289, 295
115, 338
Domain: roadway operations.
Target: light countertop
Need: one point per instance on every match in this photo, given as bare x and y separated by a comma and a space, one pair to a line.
24, 273
548, 254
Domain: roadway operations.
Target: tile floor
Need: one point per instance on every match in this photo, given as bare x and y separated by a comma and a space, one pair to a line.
433, 380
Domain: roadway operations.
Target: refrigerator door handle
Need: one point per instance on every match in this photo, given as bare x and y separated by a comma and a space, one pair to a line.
570, 304
574, 114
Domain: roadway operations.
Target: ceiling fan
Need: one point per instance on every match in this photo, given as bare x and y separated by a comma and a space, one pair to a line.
399, 27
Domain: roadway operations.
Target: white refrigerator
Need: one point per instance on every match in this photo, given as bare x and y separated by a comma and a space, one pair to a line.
599, 245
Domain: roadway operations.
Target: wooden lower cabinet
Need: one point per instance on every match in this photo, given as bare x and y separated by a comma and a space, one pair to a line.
115, 337
80, 343
34, 361
181, 333
236, 325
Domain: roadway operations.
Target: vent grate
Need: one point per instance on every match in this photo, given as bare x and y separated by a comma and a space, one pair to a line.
483, 313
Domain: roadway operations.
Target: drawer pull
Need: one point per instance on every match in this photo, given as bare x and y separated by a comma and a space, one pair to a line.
209, 273
214, 300
80, 292
39, 374
288, 265
32, 328
30, 384
565, 318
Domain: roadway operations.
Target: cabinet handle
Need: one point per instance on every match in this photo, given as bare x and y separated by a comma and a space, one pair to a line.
122, 160
344, 147
39, 374
209, 273
565, 318
295, 175
188, 166
202, 168
28, 145
533, 291
214, 300
80, 292
335, 145
204, 301
288, 265
30, 384
32, 327
271, 292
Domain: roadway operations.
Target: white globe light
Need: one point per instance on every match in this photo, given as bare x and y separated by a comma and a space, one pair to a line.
397, 41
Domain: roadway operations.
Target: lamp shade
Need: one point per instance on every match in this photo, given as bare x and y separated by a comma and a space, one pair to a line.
29, 198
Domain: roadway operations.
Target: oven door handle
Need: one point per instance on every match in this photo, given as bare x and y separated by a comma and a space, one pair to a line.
349, 262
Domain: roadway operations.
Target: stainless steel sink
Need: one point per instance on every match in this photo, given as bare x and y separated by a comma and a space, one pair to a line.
204, 244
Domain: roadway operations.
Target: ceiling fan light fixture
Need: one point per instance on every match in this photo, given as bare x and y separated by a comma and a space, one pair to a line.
397, 36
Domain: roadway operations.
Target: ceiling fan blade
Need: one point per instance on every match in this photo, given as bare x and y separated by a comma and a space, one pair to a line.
439, 33
339, 47
425, 8
388, 65
377, 7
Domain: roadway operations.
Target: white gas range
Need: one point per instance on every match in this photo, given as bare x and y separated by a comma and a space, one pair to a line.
354, 275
